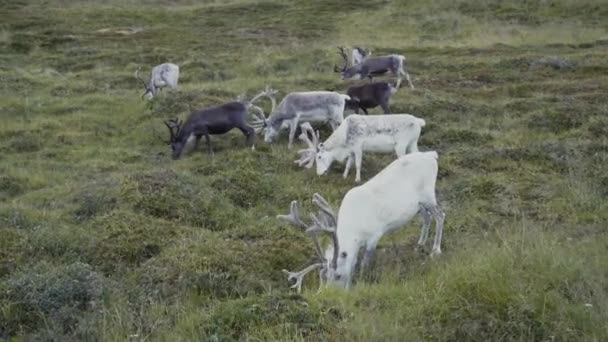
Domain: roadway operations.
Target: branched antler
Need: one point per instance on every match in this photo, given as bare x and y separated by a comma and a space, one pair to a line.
174, 126
294, 216
307, 158
260, 120
344, 55
299, 276
323, 222
146, 87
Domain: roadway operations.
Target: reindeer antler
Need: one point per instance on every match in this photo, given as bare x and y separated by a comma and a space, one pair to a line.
142, 81
299, 276
342, 52
174, 126
260, 120
325, 221
308, 155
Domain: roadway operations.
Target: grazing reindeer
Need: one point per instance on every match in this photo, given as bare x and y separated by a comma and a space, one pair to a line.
163, 75
371, 95
385, 203
211, 121
299, 107
358, 133
373, 66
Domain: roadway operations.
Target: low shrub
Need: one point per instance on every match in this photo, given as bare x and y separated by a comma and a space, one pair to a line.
45, 293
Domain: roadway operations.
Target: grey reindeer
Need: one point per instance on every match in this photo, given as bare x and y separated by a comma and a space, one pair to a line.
370, 67
162, 75
297, 108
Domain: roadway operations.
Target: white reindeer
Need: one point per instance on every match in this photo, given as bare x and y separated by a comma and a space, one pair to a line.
163, 75
385, 203
300, 107
358, 133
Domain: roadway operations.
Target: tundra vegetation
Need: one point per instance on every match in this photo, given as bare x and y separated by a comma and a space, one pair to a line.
104, 237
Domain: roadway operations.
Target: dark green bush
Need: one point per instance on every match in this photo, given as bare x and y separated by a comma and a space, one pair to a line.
46, 293
10, 186
25, 142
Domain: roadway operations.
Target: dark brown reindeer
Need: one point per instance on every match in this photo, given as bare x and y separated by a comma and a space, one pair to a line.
370, 67
211, 121
371, 95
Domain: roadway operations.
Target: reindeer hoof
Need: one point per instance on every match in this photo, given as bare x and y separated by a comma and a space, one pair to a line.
435, 253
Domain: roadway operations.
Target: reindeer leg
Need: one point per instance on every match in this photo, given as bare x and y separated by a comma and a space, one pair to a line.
208, 141
292, 132
426, 225
407, 77
358, 161
248, 132
197, 140
349, 162
439, 217
370, 249
364, 111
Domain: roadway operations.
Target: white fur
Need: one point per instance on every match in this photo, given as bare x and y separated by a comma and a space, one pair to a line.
163, 75
385, 203
374, 133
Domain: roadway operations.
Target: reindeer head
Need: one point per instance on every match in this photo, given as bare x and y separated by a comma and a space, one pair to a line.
324, 221
347, 72
359, 54
315, 152
177, 145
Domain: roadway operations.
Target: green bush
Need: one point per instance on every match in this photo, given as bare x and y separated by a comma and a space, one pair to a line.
57, 295
10, 186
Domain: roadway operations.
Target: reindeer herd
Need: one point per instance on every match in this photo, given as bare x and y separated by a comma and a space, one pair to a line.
384, 203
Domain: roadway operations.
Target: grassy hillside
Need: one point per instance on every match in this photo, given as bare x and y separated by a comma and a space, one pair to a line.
104, 237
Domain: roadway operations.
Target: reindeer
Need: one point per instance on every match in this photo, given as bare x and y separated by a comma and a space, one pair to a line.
373, 66
211, 121
299, 107
163, 75
358, 133
384, 204
371, 95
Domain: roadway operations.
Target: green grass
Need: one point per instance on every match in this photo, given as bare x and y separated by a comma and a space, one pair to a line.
104, 237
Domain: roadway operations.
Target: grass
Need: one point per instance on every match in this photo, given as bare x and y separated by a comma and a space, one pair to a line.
104, 237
